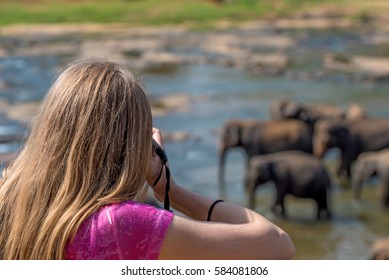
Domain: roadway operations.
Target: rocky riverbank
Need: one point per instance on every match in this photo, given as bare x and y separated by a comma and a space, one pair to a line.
283, 47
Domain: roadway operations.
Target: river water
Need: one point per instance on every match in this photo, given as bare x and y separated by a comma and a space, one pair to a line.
220, 94
215, 94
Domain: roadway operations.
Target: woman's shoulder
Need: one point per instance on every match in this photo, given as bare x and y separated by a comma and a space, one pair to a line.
127, 230
132, 214
133, 208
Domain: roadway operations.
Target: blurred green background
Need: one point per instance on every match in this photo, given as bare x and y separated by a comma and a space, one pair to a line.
202, 66
200, 13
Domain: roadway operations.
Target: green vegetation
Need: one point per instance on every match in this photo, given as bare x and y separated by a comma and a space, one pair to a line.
158, 12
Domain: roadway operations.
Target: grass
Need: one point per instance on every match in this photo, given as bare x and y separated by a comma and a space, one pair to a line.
157, 12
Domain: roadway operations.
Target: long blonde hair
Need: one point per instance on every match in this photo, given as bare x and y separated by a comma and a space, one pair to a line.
89, 146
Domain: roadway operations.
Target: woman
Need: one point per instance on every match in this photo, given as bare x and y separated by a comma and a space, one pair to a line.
74, 190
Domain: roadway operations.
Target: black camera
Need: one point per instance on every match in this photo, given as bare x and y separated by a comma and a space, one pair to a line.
162, 155
160, 152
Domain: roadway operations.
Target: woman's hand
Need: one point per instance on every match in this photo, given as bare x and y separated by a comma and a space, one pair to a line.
156, 167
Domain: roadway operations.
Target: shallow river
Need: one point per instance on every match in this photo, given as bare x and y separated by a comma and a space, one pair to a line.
220, 94
216, 94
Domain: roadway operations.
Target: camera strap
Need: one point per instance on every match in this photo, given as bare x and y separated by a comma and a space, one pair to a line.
161, 153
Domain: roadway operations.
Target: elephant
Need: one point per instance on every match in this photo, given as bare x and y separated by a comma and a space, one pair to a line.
380, 249
352, 137
293, 172
311, 113
368, 165
261, 137
308, 113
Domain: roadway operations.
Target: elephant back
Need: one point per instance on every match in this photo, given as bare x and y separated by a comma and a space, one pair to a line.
281, 135
309, 113
371, 133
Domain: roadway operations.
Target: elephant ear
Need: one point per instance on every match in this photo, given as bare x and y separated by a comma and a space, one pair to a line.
277, 108
303, 115
292, 110
233, 134
269, 170
263, 171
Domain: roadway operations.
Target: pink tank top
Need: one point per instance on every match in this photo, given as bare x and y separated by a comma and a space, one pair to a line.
121, 231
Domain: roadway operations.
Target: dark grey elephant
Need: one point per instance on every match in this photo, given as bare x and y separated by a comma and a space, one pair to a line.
262, 137
293, 172
308, 113
311, 113
368, 165
352, 137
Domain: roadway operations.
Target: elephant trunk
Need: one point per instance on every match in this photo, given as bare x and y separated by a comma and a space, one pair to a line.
319, 148
222, 157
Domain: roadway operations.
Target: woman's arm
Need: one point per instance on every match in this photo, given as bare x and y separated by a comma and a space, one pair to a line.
234, 232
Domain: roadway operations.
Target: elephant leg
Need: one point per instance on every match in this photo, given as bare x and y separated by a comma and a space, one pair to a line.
250, 185
348, 156
275, 206
342, 167
251, 194
322, 207
319, 208
329, 214
323, 204
278, 206
386, 197
282, 205
384, 193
